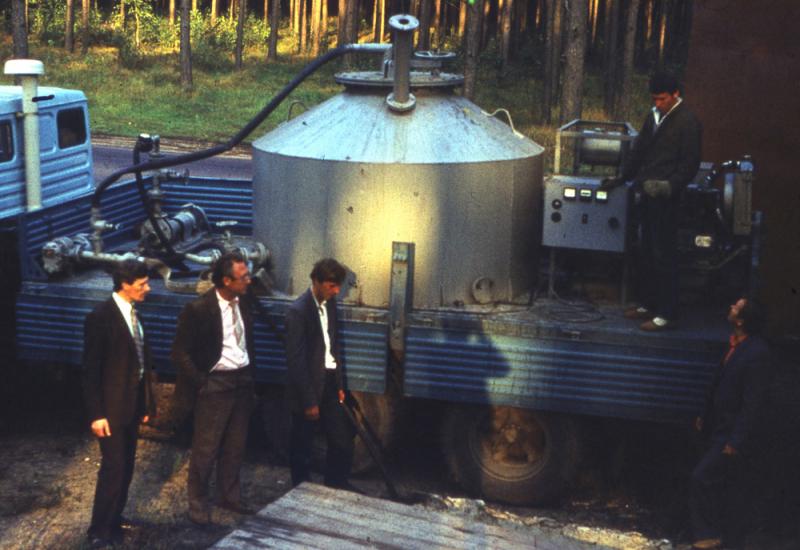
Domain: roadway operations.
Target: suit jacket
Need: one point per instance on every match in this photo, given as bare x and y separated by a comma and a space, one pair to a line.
670, 153
305, 352
111, 368
737, 394
198, 340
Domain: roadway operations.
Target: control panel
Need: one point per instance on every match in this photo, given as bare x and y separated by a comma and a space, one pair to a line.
578, 215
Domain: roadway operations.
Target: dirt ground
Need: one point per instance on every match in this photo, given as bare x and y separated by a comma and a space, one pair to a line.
631, 493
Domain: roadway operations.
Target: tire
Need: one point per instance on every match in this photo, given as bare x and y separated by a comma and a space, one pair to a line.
381, 412
510, 455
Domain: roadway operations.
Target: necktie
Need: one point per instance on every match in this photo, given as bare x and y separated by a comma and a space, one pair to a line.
137, 339
238, 328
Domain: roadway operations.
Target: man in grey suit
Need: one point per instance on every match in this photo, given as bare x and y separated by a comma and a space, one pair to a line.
316, 385
214, 351
118, 394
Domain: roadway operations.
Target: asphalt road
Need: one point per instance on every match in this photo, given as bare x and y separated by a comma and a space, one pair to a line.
112, 154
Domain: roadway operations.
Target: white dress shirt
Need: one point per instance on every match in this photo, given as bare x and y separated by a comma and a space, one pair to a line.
125, 308
330, 361
234, 356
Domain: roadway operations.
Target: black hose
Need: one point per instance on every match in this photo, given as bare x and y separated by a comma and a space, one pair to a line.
236, 139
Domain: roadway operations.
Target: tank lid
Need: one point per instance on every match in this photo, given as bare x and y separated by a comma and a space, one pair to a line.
378, 79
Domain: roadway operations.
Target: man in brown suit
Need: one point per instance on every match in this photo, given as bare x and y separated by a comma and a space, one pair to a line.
118, 395
214, 351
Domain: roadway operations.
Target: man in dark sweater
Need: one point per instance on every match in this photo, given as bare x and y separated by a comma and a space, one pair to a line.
730, 420
664, 158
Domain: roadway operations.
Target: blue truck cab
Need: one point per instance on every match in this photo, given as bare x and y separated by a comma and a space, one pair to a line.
65, 145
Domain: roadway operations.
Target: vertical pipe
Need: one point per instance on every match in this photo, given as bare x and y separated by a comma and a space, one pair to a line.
401, 99
28, 71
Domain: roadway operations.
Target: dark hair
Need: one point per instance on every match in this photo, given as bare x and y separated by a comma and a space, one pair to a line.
664, 82
223, 267
328, 269
127, 272
752, 317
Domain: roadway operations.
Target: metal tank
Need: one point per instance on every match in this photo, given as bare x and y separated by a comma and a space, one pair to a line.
422, 165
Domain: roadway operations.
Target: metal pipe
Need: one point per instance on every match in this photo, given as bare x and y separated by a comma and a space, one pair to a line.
29, 71
401, 99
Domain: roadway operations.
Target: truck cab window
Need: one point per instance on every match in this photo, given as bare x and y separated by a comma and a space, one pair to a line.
6, 142
71, 127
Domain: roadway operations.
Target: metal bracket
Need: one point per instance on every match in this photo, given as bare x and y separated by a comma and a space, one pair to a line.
400, 294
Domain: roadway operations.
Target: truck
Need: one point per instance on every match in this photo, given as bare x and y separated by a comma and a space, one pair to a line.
475, 282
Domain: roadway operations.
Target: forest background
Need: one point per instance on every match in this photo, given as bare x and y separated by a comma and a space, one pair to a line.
201, 69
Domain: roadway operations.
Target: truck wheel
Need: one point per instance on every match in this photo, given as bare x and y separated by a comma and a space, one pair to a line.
510, 455
381, 413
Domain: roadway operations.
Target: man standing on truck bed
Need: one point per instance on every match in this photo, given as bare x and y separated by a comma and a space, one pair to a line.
664, 158
118, 394
214, 349
315, 389
730, 420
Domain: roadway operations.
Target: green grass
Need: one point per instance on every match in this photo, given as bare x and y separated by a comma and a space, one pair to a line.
125, 102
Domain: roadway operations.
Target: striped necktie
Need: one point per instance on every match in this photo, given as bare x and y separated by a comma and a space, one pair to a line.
137, 339
238, 328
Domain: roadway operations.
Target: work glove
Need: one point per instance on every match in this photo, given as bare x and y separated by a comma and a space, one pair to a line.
607, 184
657, 189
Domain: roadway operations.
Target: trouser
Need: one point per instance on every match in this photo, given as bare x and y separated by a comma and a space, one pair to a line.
221, 418
339, 434
118, 453
659, 257
716, 494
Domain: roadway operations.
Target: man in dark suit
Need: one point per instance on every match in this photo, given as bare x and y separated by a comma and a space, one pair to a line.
730, 420
214, 350
664, 158
118, 394
316, 381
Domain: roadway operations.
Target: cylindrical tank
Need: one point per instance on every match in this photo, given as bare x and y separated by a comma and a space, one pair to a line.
350, 176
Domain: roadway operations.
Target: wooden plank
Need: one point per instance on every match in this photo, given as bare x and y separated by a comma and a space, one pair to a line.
314, 516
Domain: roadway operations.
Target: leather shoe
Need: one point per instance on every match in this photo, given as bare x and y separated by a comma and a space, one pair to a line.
707, 544
657, 324
637, 312
97, 542
199, 517
237, 508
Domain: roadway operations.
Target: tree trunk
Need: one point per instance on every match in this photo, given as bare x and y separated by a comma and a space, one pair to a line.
186, 49
84, 27
462, 21
424, 40
611, 57
19, 29
122, 12
214, 12
266, 13
628, 56
323, 25
572, 94
472, 40
352, 21
274, 21
436, 39
552, 57
69, 27
505, 40
231, 8
171, 12
666, 8
315, 27
239, 53
303, 26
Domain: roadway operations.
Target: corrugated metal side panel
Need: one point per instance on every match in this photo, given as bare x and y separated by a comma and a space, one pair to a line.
221, 199
560, 375
50, 328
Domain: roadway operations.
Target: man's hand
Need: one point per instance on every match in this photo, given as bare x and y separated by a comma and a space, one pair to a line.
729, 450
698, 423
312, 413
145, 419
341, 396
100, 427
607, 184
